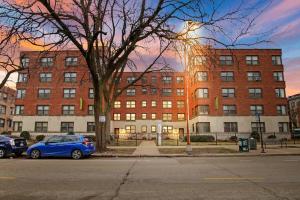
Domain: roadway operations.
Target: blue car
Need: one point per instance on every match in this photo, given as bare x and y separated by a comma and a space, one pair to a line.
75, 146
12, 145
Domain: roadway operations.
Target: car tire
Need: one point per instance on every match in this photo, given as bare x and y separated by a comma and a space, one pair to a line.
2, 153
35, 154
76, 154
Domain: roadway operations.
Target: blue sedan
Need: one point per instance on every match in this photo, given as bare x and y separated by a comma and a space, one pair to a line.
75, 146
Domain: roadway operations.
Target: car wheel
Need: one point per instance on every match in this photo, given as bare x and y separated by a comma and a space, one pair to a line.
2, 153
76, 154
35, 154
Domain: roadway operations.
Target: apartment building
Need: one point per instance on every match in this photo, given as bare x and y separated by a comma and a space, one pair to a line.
7, 103
294, 110
56, 95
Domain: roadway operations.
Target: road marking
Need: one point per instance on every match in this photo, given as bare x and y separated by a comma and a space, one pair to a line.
234, 178
7, 178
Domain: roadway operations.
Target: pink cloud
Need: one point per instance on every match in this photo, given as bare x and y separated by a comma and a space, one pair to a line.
292, 74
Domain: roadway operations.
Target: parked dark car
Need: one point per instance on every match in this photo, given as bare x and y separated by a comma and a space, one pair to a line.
74, 146
12, 145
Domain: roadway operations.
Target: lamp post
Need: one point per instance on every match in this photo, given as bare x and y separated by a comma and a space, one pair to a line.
260, 133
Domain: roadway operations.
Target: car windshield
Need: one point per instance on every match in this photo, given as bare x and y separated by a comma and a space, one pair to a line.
54, 139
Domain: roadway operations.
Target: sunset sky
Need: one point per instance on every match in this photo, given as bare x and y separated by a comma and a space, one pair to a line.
283, 17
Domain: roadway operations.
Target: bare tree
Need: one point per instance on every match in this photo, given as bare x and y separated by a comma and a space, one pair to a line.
108, 33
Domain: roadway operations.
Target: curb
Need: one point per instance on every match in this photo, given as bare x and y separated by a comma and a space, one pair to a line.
189, 156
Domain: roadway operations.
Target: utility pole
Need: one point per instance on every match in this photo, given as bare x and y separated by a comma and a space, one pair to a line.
260, 132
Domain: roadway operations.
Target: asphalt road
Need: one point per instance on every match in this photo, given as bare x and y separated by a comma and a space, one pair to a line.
151, 178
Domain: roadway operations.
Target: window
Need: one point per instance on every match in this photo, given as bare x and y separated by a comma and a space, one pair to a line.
69, 93
281, 110
70, 77
144, 104
153, 103
202, 110
201, 93
180, 104
144, 90
130, 79
179, 79
167, 79
153, 90
46, 62
67, 127
153, 79
144, 128
252, 60
44, 93
2, 109
71, 61
258, 127
18, 126
255, 92
283, 127
230, 127
117, 116
130, 104
202, 127
276, 60
144, 115
90, 127
91, 93
41, 127
280, 92
130, 116
180, 117
25, 62
226, 60
166, 91
21, 93
153, 129
45, 77
167, 104
42, 110
68, 110
153, 116
130, 129
228, 92
180, 92
19, 110
130, 92
2, 122
227, 76
199, 60
167, 117
117, 104
201, 76
278, 76
229, 109
91, 109
256, 109
9, 123
167, 129
144, 80
254, 76
22, 78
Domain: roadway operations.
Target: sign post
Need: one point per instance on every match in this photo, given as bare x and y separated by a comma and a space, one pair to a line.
159, 127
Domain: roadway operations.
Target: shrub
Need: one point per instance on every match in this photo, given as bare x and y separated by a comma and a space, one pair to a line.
201, 138
25, 134
71, 133
272, 137
233, 138
39, 138
255, 135
4, 133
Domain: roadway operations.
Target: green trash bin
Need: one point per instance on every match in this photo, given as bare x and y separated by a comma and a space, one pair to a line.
243, 145
252, 143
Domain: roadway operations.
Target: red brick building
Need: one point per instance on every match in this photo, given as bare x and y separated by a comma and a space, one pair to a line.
55, 94
7, 104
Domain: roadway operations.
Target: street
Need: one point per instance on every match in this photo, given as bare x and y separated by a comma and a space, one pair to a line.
267, 177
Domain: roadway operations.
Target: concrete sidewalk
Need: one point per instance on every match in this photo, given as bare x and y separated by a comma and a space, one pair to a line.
147, 148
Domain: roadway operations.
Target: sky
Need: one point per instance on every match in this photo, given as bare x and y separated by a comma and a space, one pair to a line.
283, 18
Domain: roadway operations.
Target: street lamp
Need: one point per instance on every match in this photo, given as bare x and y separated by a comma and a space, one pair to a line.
260, 133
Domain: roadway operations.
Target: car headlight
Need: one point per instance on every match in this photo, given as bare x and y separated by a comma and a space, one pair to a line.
12, 142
